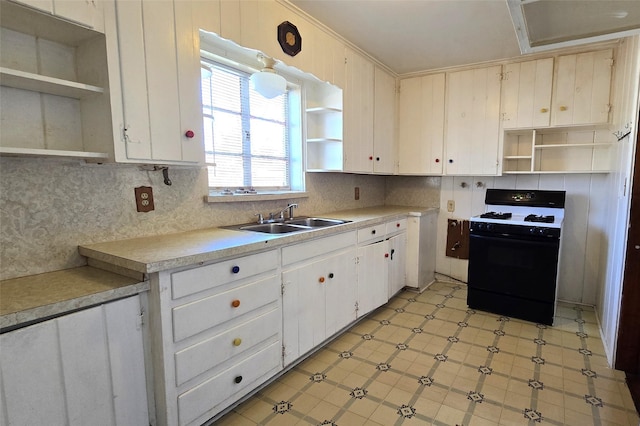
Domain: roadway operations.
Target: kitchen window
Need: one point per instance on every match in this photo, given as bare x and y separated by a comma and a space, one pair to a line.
252, 144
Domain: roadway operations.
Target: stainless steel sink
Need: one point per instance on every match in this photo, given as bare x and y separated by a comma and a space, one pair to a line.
288, 226
274, 228
316, 222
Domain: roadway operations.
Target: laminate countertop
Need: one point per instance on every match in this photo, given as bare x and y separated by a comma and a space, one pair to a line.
39, 297
163, 252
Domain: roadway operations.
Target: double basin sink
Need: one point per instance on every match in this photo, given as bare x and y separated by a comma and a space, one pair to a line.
289, 225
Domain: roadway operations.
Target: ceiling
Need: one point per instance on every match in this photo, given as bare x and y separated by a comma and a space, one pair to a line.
417, 35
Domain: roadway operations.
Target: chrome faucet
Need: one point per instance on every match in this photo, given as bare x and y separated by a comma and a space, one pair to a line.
291, 207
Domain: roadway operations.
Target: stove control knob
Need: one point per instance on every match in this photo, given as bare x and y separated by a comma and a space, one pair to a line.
533, 231
490, 226
543, 231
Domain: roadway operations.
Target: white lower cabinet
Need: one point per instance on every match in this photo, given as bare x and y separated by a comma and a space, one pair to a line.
216, 335
319, 292
373, 287
79, 369
381, 263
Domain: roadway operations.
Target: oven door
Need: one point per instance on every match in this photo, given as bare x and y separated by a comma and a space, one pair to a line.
520, 267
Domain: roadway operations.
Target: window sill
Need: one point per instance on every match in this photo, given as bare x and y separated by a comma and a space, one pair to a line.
265, 196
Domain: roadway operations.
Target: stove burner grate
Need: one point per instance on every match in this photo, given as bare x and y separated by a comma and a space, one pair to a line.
539, 218
494, 215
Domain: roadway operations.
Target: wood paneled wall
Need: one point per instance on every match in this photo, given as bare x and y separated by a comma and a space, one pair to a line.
584, 232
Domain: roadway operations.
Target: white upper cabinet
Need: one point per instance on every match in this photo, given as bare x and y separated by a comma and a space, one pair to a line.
384, 123
84, 12
161, 120
526, 94
358, 113
473, 121
582, 88
421, 125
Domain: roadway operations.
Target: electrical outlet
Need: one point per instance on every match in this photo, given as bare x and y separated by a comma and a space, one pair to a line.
451, 206
144, 198
357, 193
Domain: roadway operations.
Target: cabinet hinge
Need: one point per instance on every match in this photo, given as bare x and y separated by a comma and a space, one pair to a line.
357, 307
608, 106
356, 260
612, 62
283, 352
140, 319
282, 288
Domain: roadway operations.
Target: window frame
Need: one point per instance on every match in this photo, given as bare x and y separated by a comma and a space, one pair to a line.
293, 127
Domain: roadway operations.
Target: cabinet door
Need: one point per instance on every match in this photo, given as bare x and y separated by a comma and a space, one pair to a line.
340, 291
473, 121
373, 273
303, 309
526, 94
384, 119
42, 5
79, 369
397, 263
582, 88
84, 12
319, 299
421, 125
158, 93
358, 114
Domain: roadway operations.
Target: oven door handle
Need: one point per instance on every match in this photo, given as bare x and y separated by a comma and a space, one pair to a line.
539, 241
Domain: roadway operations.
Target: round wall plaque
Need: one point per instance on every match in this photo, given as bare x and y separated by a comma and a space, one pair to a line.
289, 38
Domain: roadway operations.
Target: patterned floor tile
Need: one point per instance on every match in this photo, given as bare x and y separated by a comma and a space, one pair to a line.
429, 359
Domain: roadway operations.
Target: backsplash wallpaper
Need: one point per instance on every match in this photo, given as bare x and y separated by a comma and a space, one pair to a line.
50, 206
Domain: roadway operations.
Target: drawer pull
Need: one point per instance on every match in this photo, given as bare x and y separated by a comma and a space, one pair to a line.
544, 110
373, 232
237, 341
238, 379
235, 303
235, 269
397, 225
331, 275
321, 279
563, 108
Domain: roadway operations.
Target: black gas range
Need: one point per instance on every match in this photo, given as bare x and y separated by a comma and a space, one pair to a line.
514, 252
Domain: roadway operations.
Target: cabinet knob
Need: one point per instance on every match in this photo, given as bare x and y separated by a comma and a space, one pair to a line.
235, 269
189, 134
321, 279
544, 109
373, 232
450, 160
370, 157
397, 225
563, 108
235, 303
238, 379
331, 275
377, 158
386, 255
437, 160
237, 341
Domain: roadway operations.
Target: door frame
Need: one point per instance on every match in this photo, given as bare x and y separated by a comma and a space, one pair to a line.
627, 356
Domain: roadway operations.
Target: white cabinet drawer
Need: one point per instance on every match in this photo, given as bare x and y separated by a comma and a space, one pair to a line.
207, 354
397, 225
315, 248
372, 233
237, 380
195, 317
191, 281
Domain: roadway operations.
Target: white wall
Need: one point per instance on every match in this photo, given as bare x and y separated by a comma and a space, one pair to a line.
583, 234
609, 294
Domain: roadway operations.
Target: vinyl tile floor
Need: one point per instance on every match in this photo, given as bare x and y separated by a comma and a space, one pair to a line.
428, 359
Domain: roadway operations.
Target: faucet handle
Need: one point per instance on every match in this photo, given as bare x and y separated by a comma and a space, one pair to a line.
260, 217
